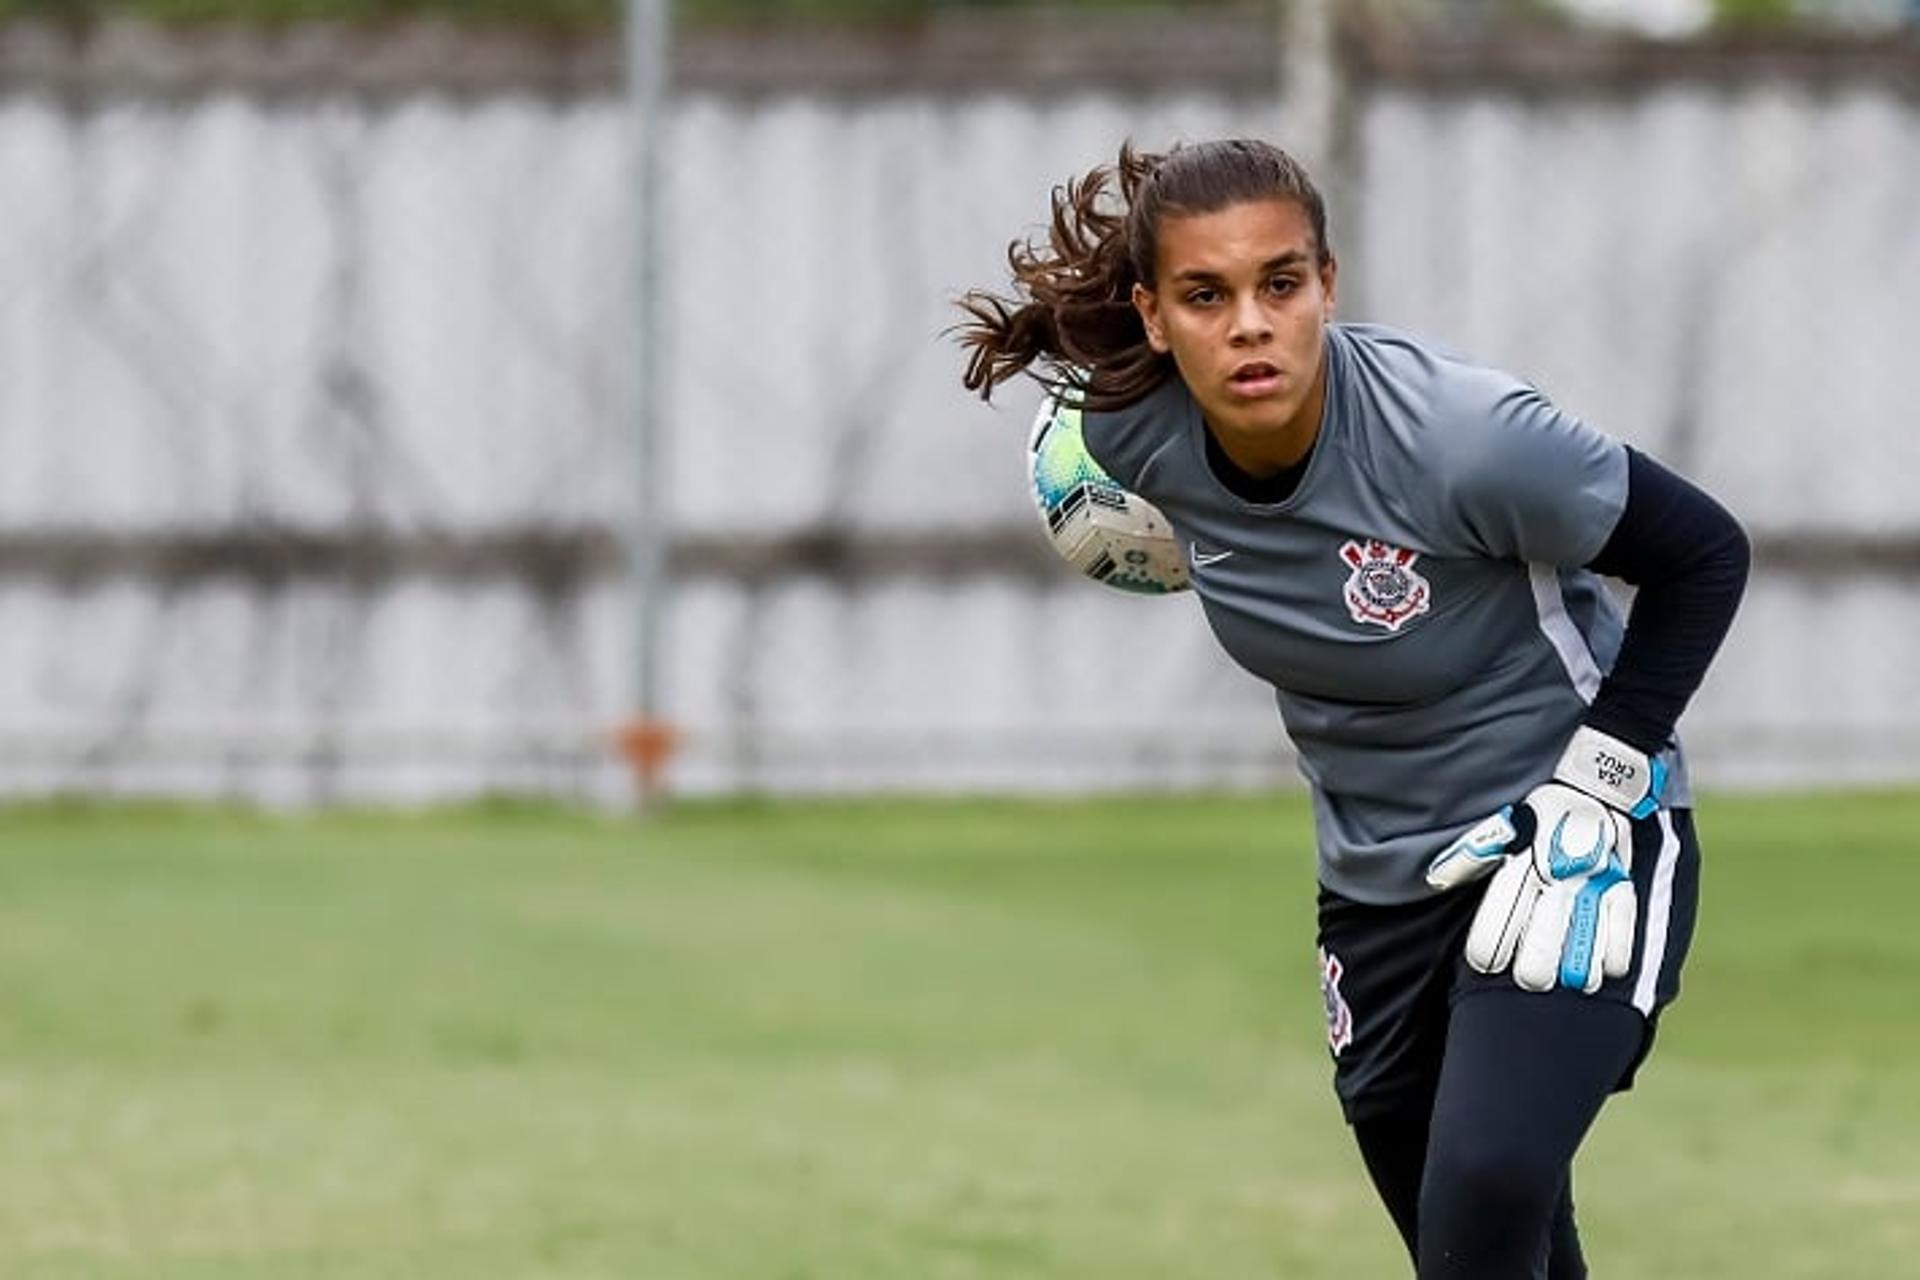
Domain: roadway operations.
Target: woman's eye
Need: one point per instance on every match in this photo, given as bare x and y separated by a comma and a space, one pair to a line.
1201, 297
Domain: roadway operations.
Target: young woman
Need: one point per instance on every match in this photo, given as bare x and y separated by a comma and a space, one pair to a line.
1409, 548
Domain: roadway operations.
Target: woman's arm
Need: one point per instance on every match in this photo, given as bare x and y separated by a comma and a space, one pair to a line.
1689, 558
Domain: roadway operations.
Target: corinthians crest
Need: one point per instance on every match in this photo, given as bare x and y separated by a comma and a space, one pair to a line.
1383, 588
1339, 1016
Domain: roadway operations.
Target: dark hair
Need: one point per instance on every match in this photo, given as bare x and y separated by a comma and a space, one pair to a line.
1073, 305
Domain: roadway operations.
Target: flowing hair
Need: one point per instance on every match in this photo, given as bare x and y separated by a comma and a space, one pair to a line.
1072, 309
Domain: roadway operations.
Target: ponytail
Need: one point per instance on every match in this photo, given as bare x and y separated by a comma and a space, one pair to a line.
1077, 319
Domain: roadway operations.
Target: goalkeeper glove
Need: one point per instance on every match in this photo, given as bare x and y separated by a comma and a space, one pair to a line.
1561, 908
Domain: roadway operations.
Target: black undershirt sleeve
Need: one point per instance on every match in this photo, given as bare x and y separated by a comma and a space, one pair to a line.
1689, 558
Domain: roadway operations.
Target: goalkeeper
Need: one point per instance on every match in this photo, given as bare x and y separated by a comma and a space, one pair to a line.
1409, 548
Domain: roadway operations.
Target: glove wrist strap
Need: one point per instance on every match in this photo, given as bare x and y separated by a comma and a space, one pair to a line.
1611, 771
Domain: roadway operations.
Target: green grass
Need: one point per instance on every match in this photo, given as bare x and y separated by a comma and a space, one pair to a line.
860, 1041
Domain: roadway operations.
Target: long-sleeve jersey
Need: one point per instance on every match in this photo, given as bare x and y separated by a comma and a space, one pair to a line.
1420, 601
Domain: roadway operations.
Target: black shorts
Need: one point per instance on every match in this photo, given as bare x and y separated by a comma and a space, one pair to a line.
1390, 974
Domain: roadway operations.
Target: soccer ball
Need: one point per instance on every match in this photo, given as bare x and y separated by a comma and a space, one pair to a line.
1114, 537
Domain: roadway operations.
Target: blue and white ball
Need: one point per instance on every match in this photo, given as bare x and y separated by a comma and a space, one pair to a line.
1115, 537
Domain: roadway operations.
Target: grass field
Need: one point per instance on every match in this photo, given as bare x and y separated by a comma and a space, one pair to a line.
861, 1041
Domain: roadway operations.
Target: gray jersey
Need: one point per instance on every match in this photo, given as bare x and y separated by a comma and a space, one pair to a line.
1417, 602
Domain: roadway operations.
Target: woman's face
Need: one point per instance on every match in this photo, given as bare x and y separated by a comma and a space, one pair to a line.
1241, 299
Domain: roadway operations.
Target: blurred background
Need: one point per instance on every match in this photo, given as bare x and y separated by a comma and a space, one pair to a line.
399, 398
441, 407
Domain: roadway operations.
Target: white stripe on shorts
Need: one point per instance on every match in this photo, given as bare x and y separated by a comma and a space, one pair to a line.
1658, 906
1565, 638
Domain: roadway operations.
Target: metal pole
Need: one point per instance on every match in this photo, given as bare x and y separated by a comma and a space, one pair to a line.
1317, 124
1309, 80
648, 740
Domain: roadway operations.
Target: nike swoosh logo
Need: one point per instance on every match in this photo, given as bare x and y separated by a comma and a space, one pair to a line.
1201, 559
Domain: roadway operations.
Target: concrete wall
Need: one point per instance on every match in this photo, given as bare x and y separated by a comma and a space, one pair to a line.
365, 326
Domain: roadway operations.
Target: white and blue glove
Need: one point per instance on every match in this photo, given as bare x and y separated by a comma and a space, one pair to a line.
1561, 908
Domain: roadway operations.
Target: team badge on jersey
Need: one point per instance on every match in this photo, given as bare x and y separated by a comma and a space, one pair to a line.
1339, 1017
1383, 589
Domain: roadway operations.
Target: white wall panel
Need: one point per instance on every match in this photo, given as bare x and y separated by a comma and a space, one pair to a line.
414, 313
